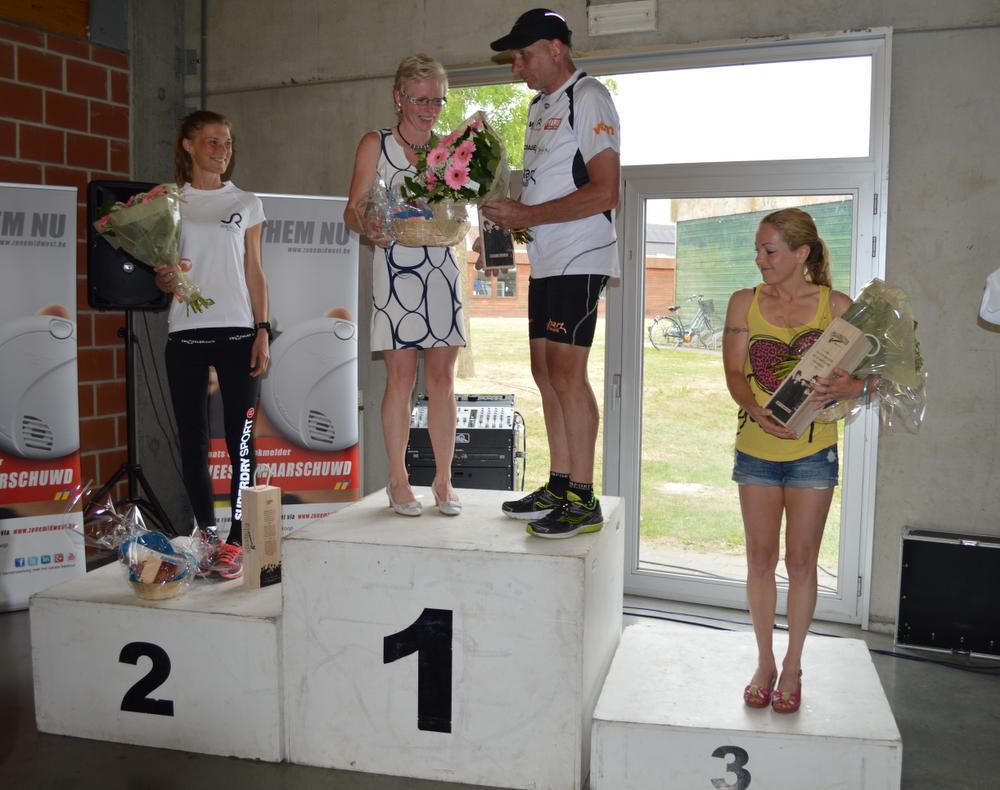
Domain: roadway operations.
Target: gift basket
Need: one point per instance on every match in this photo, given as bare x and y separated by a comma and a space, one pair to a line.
469, 165
156, 568
409, 221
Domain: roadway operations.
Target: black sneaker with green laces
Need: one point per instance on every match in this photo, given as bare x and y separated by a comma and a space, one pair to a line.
533, 506
571, 518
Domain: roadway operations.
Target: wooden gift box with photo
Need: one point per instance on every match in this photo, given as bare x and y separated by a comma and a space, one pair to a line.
948, 593
840, 346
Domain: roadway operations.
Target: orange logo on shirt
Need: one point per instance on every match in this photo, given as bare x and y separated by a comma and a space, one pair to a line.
603, 127
556, 326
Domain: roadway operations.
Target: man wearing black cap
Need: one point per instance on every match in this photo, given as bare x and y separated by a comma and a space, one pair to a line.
569, 195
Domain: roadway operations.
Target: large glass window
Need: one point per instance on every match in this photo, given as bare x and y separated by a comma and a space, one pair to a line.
711, 139
803, 109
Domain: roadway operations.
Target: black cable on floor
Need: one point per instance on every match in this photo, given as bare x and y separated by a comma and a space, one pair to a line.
683, 622
973, 668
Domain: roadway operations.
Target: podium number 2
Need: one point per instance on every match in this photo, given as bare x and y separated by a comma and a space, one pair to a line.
429, 636
735, 766
136, 699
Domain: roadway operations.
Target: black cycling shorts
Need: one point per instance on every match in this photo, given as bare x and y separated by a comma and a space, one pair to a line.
563, 308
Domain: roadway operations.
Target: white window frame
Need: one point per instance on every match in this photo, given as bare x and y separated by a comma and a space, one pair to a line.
623, 409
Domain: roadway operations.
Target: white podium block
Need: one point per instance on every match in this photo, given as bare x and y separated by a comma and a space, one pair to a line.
198, 672
671, 717
456, 649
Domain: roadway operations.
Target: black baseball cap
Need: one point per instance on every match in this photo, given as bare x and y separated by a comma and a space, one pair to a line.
532, 26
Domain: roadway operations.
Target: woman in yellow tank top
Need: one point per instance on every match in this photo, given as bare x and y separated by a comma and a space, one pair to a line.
777, 473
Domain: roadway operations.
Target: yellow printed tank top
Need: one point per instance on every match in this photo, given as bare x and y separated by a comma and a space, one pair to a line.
768, 346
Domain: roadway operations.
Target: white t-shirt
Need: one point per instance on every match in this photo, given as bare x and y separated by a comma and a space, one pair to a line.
214, 223
566, 129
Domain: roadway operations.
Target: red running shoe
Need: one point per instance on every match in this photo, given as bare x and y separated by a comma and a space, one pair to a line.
230, 562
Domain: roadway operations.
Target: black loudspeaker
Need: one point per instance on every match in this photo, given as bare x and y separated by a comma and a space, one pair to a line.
948, 593
116, 280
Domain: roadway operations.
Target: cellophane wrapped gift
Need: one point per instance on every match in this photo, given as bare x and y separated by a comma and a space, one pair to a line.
413, 222
884, 314
466, 166
156, 570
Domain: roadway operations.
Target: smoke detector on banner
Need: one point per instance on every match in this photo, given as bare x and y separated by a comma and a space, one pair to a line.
38, 387
310, 393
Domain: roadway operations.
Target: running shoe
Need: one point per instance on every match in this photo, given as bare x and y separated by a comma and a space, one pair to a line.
571, 518
230, 562
533, 506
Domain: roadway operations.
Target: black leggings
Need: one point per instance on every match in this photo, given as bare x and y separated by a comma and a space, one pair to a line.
188, 357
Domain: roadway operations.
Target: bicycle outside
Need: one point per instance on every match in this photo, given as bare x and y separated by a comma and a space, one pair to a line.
669, 330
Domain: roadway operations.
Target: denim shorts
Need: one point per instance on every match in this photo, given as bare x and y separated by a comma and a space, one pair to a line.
818, 470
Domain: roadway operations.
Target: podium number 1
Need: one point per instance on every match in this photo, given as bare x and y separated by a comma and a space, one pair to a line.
429, 636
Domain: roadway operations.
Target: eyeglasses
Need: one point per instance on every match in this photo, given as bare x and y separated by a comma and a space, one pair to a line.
424, 101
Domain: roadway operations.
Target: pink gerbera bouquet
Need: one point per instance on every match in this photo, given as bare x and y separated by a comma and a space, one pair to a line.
467, 166
147, 226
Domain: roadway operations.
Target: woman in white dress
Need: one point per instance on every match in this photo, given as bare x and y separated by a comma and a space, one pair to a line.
416, 291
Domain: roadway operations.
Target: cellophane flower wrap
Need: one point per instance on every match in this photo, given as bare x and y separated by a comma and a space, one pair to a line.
387, 216
467, 166
147, 227
883, 313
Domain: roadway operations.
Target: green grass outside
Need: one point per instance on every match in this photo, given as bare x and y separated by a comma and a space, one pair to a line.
688, 422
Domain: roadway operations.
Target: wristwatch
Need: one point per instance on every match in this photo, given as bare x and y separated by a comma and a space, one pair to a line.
263, 325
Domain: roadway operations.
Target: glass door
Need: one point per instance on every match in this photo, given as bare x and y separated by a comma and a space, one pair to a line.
687, 238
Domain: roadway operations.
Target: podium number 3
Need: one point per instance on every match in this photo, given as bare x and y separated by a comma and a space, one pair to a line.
429, 636
735, 766
136, 699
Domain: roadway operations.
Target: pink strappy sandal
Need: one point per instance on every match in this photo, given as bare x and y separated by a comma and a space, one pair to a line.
759, 696
787, 701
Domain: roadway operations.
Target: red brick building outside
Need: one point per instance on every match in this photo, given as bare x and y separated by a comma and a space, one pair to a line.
505, 295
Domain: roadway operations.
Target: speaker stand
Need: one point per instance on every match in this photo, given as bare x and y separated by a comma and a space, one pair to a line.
131, 470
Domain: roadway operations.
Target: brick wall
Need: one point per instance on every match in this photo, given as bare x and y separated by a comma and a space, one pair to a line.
64, 120
660, 279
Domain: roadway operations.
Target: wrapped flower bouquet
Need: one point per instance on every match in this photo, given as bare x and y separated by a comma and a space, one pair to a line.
469, 165
147, 227
882, 312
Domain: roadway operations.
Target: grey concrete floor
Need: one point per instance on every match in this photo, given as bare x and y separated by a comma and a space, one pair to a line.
949, 720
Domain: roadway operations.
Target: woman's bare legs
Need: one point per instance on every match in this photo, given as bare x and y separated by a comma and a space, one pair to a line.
401, 375
439, 378
805, 513
762, 507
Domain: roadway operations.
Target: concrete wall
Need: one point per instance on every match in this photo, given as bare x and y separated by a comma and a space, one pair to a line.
156, 31
302, 81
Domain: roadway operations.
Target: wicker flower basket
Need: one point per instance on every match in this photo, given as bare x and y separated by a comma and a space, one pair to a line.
159, 591
448, 226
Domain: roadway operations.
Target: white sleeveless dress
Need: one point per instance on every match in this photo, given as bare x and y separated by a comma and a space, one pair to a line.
416, 291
